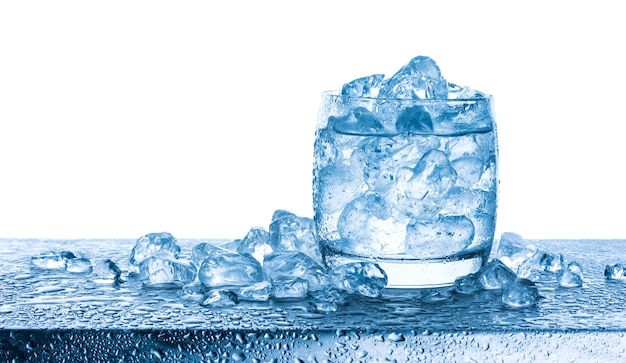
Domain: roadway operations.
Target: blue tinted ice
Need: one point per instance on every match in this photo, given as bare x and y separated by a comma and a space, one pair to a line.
363, 278
51, 261
256, 243
614, 272
468, 284
419, 79
513, 250
572, 276
444, 236
289, 265
78, 265
149, 245
415, 120
225, 269
520, 293
366, 227
106, 271
368, 86
494, 275
203, 250
220, 298
259, 291
358, 121
289, 288
164, 270
289, 232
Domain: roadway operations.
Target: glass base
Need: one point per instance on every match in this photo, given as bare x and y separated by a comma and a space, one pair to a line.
409, 273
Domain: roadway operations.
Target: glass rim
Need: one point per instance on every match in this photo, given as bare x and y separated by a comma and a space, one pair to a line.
337, 93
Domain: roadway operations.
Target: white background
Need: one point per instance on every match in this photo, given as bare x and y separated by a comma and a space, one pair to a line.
120, 118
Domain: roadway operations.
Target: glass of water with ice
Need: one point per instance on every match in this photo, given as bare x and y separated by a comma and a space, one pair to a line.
405, 175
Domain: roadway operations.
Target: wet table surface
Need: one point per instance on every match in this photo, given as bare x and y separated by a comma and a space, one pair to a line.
57, 316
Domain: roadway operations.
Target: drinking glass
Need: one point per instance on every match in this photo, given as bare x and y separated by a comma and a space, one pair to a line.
408, 184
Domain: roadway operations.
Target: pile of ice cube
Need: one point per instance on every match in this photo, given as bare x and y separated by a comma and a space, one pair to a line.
516, 268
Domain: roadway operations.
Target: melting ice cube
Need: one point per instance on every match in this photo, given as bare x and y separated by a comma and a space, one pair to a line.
78, 265
520, 293
367, 227
289, 288
106, 271
444, 236
256, 243
149, 245
289, 232
419, 79
223, 269
51, 261
572, 276
614, 272
368, 86
164, 270
495, 274
364, 278
280, 265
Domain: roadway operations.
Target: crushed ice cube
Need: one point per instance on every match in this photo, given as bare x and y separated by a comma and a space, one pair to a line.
430, 181
295, 265
358, 121
223, 269
444, 236
289, 288
149, 245
106, 271
164, 270
494, 275
51, 260
419, 79
415, 120
259, 291
203, 250
289, 232
572, 276
368, 86
468, 284
520, 293
256, 243
327, 300
614, 272
367, 227
78, 265
513, 250
220, 299
364, 278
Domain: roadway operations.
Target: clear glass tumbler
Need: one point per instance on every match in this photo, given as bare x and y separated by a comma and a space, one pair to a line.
408, 184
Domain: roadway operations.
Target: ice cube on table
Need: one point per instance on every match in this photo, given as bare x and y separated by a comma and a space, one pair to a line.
78, 265
614, 272
367, 86
444, 236
106, 271
259, 291
149, 245
225, 269
289, 288
520, 293
52, 260
291, 264
220, 299
363, 278
513, 250
468, 284
572, 276
327, 300
256, 243
494, 275
203, 250
289, 232
419, 79
165, 271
